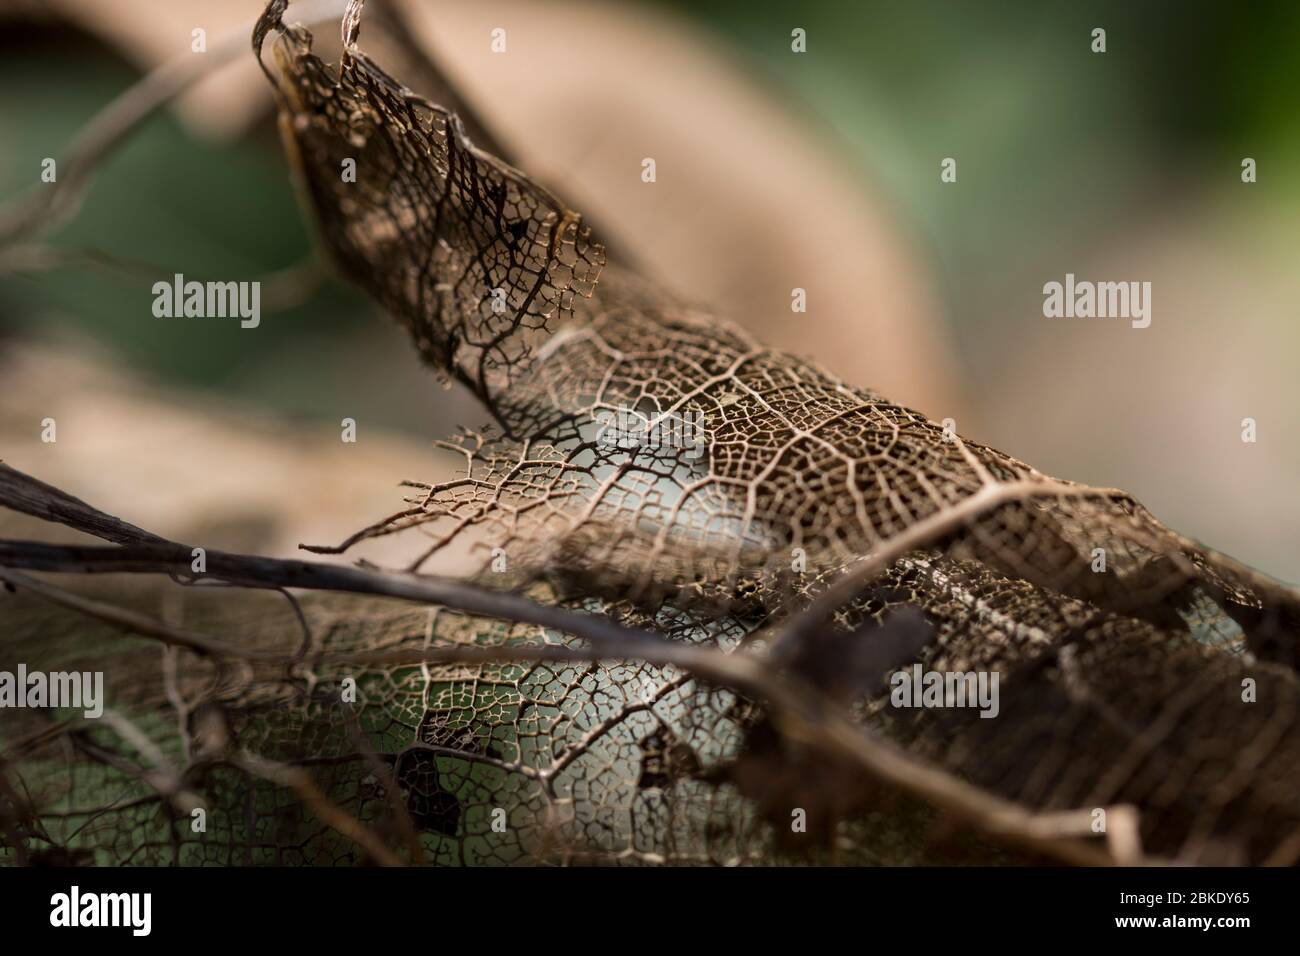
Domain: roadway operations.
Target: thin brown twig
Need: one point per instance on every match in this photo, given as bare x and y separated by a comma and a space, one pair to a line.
48, 204
801, 713
329, 813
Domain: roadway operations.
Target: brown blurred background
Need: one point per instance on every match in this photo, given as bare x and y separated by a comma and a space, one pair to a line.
775, 170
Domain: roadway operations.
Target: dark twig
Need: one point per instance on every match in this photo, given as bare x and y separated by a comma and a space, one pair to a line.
803, 714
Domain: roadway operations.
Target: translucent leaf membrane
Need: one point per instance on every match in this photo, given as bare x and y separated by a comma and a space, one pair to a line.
654, 454
652, 461
472, 255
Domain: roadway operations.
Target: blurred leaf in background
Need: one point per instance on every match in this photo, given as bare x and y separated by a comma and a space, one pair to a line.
1123, 165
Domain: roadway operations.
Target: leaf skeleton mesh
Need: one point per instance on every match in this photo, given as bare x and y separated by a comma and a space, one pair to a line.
1120, 687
